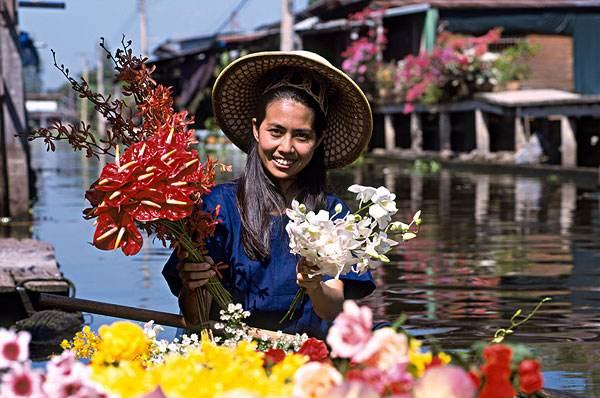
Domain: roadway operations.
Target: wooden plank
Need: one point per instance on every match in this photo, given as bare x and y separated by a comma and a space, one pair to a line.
7, 284
24, 259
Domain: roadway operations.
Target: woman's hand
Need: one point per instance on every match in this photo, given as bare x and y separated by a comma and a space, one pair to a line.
194, 275
306, 275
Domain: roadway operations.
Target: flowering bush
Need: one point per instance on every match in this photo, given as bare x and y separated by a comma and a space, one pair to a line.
362, 58
456, 68
362, 363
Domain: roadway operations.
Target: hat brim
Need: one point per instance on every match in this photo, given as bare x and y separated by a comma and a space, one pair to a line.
237, 90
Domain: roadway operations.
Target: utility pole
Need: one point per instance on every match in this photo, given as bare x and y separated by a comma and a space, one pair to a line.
100, 81
286, 29
143, 28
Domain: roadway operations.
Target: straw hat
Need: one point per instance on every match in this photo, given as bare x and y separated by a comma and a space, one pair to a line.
348, 114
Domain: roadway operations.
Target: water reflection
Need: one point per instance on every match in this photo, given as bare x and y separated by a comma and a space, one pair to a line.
489, 244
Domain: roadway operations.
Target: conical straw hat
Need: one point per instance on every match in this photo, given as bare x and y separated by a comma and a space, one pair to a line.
240, 85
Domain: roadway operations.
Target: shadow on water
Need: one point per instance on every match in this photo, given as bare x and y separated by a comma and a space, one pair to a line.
489, 244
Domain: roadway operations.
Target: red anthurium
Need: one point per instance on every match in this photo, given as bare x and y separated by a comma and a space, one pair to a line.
117, 230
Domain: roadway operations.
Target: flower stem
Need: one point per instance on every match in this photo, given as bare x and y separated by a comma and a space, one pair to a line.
290, 312
214, 285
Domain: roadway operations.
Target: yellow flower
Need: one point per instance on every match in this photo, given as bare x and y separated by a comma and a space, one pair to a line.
121, 341
419, 360
128, 379
84, 345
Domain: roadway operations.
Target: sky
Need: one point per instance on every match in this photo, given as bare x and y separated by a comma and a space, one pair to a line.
74, 32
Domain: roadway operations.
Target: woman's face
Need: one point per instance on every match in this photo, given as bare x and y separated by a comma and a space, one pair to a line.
286, 139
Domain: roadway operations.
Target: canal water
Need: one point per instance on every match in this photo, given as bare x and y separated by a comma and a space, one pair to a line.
490, 243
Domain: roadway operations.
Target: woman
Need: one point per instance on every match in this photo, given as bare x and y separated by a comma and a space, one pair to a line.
296, 116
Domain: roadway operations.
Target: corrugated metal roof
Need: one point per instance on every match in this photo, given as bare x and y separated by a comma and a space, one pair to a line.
494, 3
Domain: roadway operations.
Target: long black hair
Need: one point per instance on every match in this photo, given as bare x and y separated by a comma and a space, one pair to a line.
259, 195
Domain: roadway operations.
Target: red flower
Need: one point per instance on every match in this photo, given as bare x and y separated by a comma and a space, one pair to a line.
155, 179
496, 371
530, 377
273, 356
315, 350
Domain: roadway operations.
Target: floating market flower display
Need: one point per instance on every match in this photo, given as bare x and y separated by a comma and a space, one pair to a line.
126, 360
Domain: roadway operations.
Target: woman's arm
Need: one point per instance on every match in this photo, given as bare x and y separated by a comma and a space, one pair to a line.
327, 296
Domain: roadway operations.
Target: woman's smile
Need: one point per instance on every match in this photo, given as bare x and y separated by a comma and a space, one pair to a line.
286, 139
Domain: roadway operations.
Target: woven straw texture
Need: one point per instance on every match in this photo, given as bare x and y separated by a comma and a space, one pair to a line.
238, 87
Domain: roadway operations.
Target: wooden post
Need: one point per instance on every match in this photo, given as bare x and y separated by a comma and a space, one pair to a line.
390, 132
14, 165
482, 134
416, 132
444, 127
568, 142
520, 138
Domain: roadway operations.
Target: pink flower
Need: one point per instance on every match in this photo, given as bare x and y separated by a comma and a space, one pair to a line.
385, 349
373, 377
67, 378
21, 381
445, 382
315, 379
351, 330
362, 69
14, 347
352, 389
399, 380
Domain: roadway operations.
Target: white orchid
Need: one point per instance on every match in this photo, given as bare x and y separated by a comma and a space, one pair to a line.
352, 242
364, 194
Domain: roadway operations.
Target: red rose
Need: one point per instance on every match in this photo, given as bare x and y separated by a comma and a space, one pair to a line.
273, 356
315, 350
530, 377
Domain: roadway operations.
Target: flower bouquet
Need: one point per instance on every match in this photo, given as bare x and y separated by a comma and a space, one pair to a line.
157, 183
125, 361
354, 242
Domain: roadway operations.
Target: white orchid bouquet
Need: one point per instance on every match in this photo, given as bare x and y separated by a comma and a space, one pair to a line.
355, 242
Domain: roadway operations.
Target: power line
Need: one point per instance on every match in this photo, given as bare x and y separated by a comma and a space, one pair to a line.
231, 17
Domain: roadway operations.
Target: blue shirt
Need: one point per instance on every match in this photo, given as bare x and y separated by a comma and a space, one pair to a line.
266, 288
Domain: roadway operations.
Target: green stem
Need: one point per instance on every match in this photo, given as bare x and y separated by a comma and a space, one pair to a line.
290, 312
214, 285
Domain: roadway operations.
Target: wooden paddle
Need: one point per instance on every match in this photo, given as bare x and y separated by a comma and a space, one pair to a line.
55, 301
